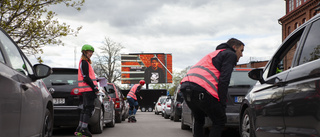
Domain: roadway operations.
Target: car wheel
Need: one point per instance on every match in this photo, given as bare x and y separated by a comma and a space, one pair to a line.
184, 126
98, 127
143, 109
247, 124
47, 125
150, 109
165, 115
175, 117
113, 122
119, 118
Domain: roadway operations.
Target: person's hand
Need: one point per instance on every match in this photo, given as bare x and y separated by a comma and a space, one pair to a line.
95, 90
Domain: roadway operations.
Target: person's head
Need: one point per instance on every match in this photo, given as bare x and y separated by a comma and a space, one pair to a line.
154, 63
237, 45
87, 51
142, 82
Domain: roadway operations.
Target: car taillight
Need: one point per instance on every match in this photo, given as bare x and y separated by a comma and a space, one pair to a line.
159, 104
178, 105
168, 105
75, 91
117, 103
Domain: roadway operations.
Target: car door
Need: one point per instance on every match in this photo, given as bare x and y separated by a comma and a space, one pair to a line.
301, 102
268, 97
10, 98
29, 97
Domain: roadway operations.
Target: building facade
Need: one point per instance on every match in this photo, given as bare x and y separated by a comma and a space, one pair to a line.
297, 13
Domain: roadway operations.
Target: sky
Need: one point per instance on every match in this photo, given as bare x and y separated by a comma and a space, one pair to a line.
187, 29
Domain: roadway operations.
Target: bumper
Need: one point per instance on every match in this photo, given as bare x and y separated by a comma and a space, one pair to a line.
66, 115
232, 113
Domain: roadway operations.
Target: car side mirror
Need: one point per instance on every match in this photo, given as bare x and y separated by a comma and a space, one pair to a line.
41, 71
256, 74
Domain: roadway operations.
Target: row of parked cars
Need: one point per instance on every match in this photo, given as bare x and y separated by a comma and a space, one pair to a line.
48, 97
283, 98
110, 106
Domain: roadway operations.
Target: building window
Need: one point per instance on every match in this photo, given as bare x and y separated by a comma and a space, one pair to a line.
289, 30
296, 25
291, 5
298, 3
304, 20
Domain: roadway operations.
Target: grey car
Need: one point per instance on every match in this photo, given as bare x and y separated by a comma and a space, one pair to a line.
26, 107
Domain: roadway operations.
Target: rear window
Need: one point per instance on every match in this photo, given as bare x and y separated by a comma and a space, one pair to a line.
112, 93
240, 78
61, 79
162, 100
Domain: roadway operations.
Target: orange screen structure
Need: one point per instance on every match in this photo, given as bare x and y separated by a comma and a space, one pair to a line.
152, 67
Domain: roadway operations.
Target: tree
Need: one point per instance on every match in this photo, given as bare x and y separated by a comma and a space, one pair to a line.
31, 25
107, 65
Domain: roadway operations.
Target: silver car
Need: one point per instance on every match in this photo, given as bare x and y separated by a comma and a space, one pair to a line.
26, 107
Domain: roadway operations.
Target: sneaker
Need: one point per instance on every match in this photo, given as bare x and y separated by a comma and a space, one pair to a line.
129, 119
77, 130
133, 119
84, 132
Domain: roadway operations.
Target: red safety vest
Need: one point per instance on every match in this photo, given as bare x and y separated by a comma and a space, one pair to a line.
83, 86
132, 92
205, 74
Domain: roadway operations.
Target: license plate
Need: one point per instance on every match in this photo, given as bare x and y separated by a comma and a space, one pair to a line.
58, 101
238, 99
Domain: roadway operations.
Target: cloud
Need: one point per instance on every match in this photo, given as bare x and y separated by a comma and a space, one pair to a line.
187, 29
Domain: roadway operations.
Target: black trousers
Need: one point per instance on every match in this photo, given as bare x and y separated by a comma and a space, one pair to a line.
203, 104
88, 106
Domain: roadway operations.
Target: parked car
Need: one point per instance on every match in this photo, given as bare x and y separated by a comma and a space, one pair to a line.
176, 105
67, 101
26, 104
239, 85
157, 106
286, 100
167, 108
118, 99
126, 110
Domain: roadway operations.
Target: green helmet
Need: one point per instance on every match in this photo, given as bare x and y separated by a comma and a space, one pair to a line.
87, 47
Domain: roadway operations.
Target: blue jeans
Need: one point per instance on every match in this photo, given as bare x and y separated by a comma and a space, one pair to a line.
133, 106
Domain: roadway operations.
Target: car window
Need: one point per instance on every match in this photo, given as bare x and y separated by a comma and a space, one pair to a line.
13, 53
61, 79
282, 60
311, 49
240, 78
1, 57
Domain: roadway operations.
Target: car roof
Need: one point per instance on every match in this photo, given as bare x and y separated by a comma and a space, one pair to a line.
242, 69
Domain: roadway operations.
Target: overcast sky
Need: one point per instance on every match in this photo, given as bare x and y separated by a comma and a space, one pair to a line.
187, 29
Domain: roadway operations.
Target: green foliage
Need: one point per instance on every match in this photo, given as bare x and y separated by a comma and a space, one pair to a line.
32, 26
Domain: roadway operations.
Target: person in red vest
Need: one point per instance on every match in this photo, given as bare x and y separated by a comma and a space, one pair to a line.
133, 102
205, 87
87, 83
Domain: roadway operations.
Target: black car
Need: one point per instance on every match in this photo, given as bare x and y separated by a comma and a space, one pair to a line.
176, 105
239, 85
286, 100
67, 101
25, 104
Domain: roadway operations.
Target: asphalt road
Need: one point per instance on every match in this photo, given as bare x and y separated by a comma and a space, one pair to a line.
148, 125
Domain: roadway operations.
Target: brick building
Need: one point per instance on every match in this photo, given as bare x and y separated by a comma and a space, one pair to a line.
297, 12
253, 64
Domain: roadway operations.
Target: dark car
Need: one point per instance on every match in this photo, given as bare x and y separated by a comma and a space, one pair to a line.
63, 85
239, 85
26, 104
286, 100
118, 98
176, 105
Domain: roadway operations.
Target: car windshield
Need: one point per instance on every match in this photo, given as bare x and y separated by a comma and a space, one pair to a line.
240, 78
162, 100
61, 79
112, 93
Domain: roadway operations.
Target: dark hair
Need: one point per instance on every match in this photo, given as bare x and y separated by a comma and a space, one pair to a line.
234, 42
154, 59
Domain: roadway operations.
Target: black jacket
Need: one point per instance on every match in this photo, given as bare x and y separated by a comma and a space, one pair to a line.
224, 62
